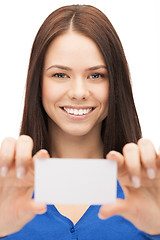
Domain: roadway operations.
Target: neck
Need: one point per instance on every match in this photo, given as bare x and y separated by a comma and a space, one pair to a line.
63, 145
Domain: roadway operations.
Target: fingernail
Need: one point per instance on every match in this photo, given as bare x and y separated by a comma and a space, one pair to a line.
151, 173
101, 216
111, 153
136, 181
21, 172
4, 171
44, 151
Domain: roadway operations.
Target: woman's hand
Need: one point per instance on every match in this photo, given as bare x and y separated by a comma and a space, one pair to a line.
139, 177
17, 183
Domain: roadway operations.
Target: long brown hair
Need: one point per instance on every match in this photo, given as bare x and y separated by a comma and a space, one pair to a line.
121, 125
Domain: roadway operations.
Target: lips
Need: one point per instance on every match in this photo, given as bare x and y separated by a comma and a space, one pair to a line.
78, 111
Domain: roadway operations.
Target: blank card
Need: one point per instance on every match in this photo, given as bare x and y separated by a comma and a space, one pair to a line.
75, 181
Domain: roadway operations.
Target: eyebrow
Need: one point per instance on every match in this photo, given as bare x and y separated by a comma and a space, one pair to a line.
69, 69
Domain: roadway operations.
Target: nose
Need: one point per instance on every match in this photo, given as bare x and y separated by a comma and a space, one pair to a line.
78, 89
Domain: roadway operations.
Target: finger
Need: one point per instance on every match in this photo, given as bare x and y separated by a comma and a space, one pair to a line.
158, 159
118, 208
7, 155
43, 153
133, 164
36, 208
148, 157
23, 156
28, 210
117, 157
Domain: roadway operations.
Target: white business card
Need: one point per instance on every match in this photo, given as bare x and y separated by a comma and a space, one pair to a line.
75, 181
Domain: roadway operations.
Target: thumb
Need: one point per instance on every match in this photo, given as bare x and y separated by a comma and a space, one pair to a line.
117, 208
37, 208
28, 210
117, 157
43, 153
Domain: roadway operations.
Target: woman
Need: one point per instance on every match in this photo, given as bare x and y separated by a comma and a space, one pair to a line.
79, 104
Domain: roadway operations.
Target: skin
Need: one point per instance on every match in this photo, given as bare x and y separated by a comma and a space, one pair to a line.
79, 81
138, 166
142, 196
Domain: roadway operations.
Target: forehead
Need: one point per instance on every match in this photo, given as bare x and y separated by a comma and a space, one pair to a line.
71, 48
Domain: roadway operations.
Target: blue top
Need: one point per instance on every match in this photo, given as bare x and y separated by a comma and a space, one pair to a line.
53, 225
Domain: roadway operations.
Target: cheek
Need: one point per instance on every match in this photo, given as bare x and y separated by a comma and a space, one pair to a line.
105, 93
45, 92
51, 93
102, 94
104, 98
47, 96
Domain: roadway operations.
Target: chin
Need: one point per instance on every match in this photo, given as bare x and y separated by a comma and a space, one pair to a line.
78, 132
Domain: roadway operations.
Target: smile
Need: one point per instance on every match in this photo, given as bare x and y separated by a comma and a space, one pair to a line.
78, 112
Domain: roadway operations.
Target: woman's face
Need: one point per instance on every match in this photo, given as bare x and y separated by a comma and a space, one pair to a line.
75, 85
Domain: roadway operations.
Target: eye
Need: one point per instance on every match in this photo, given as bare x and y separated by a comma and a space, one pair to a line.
96, 76
59, 75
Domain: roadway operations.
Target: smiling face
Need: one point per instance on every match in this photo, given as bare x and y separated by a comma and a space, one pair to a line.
75, 85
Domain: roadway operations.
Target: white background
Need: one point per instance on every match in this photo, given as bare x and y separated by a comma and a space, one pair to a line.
138, 26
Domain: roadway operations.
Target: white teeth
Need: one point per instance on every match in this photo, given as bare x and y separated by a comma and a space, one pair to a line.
80, 112
76, 111
84, 111
71, 111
